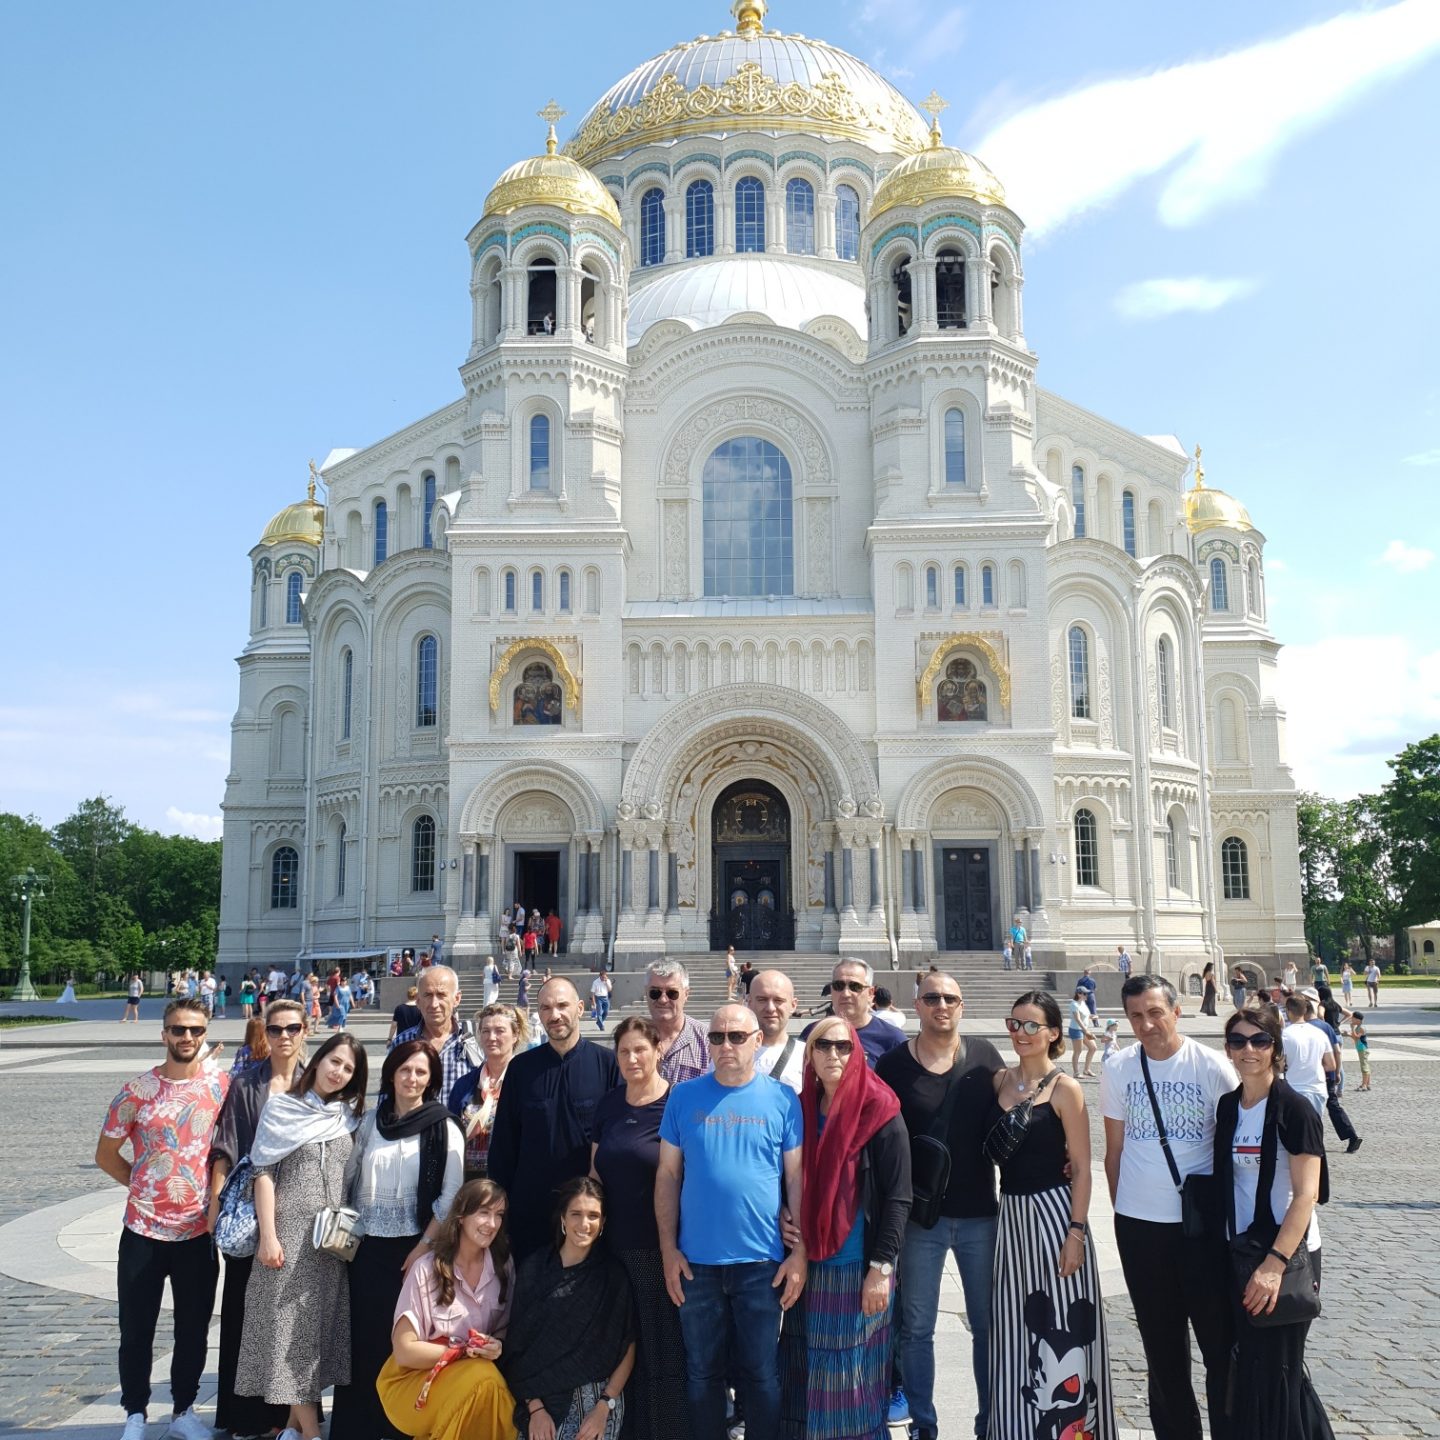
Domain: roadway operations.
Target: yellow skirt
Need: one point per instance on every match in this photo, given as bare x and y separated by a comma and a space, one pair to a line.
468, 1401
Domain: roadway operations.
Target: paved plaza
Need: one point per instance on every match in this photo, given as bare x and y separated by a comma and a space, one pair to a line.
1372, 1356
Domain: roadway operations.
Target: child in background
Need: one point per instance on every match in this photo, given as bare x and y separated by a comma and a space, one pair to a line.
1362, 1048
1109, 1041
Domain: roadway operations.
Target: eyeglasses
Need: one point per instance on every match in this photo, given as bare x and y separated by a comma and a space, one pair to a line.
1258, 1041
853, 986
181, 1030
1030, 1027
730, 1037
836, 1047
276, 1031
657, 993
935, 998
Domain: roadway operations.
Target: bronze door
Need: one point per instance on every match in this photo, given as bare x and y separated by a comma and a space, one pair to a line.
965, 888
756, 903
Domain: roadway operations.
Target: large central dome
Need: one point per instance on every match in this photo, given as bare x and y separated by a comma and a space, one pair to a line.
752, 80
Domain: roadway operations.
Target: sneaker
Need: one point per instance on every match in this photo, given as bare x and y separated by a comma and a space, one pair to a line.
923, 1432
1355, 1143
134, 1426
188, 1426
899, 1411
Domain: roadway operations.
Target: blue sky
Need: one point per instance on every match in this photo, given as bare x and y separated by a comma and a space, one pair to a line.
233, 239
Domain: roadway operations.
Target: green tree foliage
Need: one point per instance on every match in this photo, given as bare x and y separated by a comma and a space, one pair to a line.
1408, 813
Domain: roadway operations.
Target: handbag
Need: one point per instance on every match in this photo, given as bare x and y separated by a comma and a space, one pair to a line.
930, 1160
1005, 1136
1198, 1197
237, 1230
337, 1229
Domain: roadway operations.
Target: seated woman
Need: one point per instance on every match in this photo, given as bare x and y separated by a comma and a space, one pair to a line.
572, 1346
465, 1284
1274, 1399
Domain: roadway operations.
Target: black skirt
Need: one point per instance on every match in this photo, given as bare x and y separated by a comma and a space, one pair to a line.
239, 1414
655, 1407
375, 1284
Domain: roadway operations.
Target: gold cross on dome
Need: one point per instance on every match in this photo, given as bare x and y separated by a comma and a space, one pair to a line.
314, 476
550, 114
1199, 471
934, 107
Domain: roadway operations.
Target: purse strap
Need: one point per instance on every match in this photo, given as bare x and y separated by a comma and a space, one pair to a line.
1269, 1156
1160, 1124
939, 1127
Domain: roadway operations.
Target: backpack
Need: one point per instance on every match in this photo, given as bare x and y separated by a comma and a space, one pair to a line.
237, 1230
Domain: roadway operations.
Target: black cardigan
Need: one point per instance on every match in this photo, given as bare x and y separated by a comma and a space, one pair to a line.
885, 1194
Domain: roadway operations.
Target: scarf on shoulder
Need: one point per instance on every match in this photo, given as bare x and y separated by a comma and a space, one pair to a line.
430, 1120
862, 1104
290, 1122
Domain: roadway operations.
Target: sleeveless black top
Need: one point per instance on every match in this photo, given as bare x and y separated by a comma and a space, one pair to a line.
1039, 1163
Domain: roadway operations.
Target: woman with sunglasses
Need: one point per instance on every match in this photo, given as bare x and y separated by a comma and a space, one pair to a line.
855, 1202
1049, 1372
283, 1025
1274, 1399
296, 1340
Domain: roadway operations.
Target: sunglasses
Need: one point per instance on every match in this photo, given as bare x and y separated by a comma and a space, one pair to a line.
934, 998
657, 993
1030, 1027
275, 1031
180, 1030
731, 1037
836, 1047
1258, 1041
853, 986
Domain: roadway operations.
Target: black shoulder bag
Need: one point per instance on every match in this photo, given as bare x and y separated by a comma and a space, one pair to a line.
1198, 1208
930, 1157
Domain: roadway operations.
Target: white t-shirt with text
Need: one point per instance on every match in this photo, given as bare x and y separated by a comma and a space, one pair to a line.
1245, 1154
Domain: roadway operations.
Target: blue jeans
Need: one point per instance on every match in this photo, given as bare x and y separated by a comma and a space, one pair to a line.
735, 1304
922, 1262
602, 1009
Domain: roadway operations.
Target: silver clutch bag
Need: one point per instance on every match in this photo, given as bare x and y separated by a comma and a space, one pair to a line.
337, 1231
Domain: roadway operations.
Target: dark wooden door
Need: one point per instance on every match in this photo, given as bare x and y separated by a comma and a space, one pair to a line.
757, 904
965, 888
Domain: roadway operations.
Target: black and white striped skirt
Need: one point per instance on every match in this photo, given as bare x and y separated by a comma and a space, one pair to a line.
1049, 1371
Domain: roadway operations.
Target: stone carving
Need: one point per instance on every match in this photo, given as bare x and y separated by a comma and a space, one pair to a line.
842, 679
862, 665
1057, 693
820, 580
677, 548
685, 852
702, 670
1107, 706
961, 818
541, 816
815, 867
657, 672
682, 672
805, 442
1154, 708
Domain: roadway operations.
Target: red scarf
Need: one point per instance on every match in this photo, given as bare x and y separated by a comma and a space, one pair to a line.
862, 1104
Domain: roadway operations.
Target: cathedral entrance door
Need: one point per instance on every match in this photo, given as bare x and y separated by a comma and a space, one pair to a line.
750, 831
968, 912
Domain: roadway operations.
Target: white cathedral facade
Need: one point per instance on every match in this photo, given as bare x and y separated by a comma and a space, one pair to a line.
751, 590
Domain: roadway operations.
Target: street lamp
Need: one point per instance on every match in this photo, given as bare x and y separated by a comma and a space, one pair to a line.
26, 888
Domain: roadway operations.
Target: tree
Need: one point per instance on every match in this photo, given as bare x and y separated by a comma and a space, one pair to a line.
91, 840
1346, 889
1408, 812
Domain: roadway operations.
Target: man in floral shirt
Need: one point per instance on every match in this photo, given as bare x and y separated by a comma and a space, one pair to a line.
167, 1114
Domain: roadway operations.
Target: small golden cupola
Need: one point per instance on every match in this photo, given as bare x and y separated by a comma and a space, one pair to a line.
1207, 509
304, 522
551, 179
938, 172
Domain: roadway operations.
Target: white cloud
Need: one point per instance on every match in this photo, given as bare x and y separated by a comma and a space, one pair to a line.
1155, 299
202, 827
1423, 457
912, 35
1216, 125
1406, 559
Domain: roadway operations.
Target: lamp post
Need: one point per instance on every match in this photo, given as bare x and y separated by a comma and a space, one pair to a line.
26, 888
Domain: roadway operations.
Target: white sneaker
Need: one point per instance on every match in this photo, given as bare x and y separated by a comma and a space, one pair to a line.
188, 1426
134, 1426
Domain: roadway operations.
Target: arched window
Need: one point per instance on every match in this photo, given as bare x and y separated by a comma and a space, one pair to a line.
537, 592
699, 219
592, 592
800, 217
340, 863
747, 520
1219, 584
564, 592
347, 692
847, 222
537, 699
540, 301
1256, 606
960, 585
904, 301
1127, 521
904, 586
1234, 868
510, 591
427, 536
293, 581
932, 587
961, 693
539, 452
422, 854
1087, 849
950, 290
652, 227
1077, 499
954, 447
1162, 682
382, 531
427, 682
987, 585
284, 879
1173, 842
749, 216
1079, 674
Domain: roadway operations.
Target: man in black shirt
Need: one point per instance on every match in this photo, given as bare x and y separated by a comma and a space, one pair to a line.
920, 1073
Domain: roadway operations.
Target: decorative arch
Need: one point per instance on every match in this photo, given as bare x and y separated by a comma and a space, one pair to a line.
482, 809
773, 419
545, 647
1004, 784
967, 640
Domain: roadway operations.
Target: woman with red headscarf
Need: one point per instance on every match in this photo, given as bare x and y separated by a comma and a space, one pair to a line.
855, 1204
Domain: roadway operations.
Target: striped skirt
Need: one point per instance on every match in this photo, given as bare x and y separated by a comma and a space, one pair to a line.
847, 1355
1049, 1371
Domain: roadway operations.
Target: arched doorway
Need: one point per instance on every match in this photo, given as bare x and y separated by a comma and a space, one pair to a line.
750, 833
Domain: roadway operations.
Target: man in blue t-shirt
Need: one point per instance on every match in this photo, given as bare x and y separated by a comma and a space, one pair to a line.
729, 1140
852, 998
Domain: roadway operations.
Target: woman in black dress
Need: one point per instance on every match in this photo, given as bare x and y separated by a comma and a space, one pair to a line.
1207, 981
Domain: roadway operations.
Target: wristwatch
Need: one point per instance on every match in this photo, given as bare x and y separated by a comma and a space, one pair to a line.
611, 1401
886, 1269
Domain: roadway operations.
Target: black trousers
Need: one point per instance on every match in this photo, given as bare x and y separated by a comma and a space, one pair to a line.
142, 1268
240, 1414
1174, 1284
375, 1283
1344, 1129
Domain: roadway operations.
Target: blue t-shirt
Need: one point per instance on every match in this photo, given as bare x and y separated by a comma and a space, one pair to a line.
733, 1139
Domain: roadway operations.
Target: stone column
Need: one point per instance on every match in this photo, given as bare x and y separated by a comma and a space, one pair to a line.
907, 878
514, 301
652, 879
1037, 898
672, 883
627, 880
847, 878
467, 882
774, 219
979, 310
1020, 879
829, 881
674, 228
825, 224
922, 297
921, 859
876, 903
582, 868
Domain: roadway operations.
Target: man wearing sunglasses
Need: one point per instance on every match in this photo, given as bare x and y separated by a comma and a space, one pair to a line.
923, 1071
683, 1052
167, 1115
728, 1141
852, 998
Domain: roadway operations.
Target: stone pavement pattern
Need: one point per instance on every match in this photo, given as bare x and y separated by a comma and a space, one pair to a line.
1372, 1357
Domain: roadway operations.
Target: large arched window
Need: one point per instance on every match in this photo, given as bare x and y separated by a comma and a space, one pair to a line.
284, 879
262, 581
427, 536
1163, 672
537, 591
1174, 840
1254, 600
382, 531
932, 587
1077, 499
749, 216
1079, 673
564, 601
950, 290
539, 452
960, 585
987, 585
1235, 868
1127, 521
847, 222
509, 588
747, 520
537, 699
1087, 849
347, 692
955, 446
652, 227
800, 217
293, 581
699, 219
1219, 584
340, 863
427, 682
422, 854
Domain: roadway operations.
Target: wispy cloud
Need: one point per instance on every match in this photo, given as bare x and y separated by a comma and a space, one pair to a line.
1405, 558
902, 35
1216, 125
1423, 457
1155, 299
202, 827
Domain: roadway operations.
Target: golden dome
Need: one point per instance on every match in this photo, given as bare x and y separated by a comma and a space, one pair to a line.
551, 179
938, 172
1207, 509
304, 522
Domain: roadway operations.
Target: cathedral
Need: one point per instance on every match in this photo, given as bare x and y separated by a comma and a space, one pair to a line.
751, 591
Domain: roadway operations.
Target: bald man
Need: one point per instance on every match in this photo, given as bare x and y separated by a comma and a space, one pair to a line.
780, 1054
543, 1121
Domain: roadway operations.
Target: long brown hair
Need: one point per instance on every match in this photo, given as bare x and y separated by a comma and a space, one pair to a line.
255, 1038
472, 1196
